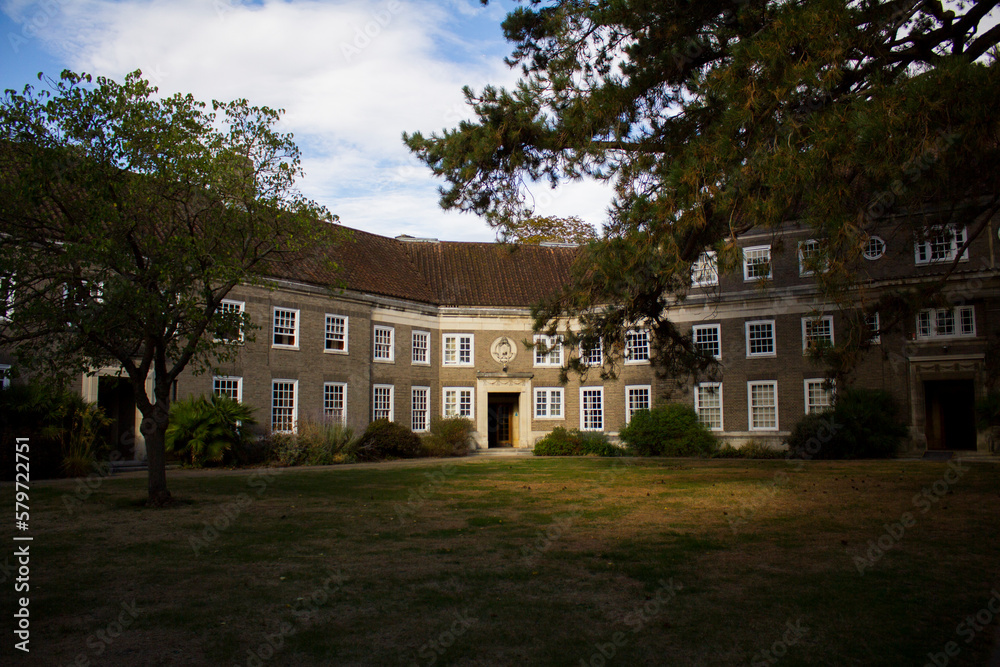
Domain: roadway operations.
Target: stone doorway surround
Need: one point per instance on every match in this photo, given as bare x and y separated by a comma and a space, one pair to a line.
89, 390
942, 367
503, 383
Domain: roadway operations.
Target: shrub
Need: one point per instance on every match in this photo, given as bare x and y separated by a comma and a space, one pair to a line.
864, 424
63, 428
988, 411
286, 449
560, 442
80, 441
384, 439
203, 430
323, 442
448, 437
671, 429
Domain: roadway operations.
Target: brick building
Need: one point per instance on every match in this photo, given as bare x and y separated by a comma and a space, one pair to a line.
420, 328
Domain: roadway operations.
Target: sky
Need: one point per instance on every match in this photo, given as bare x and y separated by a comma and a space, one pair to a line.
351, 75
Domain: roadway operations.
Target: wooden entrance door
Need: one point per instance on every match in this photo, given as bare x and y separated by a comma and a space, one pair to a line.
502, 420
951, 420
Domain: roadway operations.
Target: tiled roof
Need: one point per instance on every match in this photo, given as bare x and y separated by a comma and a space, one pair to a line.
443, 273
491, 274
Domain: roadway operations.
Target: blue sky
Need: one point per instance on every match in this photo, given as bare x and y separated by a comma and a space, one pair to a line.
351, 75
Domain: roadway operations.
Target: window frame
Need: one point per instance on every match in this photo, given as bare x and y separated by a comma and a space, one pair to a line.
458, 349
774, 339
425, 411
426, 335
695, 329
4, 376
831, 392
296, 328
294, 407
554, 345
241, 308
747, 264
376, 329
806, 321
583, 410
707, 262
458, 401
750, 414
867, 253
804, 271
875, 332
549, 393
327, 333
925, 245
586, 355
228, 378
956, 314
8, 294
698, 407
392, 402
629, 409
629, 356
343, 401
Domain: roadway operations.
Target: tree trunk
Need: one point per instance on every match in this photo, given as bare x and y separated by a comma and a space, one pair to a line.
154, 429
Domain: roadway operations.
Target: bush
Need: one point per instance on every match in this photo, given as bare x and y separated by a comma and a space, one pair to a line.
63, 428
384, 439
560, 442
324, 442
864, 424
203, 430
448, 437
671, 429
752, 449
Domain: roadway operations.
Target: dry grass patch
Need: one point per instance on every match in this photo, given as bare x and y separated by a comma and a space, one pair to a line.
537, 561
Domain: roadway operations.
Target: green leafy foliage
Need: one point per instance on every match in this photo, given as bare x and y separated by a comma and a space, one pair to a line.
127, 217
670, 429
384, 439
864, 424
562, 442
64, 430
714, 118
203, 430
451, 436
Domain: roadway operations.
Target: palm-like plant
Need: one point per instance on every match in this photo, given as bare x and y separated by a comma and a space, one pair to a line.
203, 430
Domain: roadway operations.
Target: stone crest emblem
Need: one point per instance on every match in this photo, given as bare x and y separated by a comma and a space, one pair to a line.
503, 351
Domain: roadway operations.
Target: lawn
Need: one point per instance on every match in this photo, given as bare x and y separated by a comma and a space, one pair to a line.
520, 562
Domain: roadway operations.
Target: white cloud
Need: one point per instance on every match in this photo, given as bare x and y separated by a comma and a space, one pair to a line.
352, 76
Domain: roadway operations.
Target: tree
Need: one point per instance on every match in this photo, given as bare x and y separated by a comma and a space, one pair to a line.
712, 118
552, 229
126, 220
